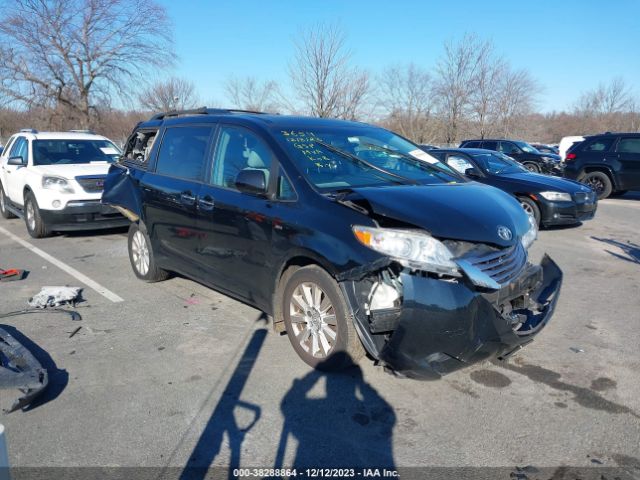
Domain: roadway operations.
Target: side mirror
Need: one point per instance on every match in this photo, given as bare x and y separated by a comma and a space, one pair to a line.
472, 172
252, 181
17, 161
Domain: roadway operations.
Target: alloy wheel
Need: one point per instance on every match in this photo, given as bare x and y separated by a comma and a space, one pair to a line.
596, 184
313, 319
527, 208
140, 253
31, 216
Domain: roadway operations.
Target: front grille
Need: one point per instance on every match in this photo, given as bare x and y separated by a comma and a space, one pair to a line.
503, 265
92, 184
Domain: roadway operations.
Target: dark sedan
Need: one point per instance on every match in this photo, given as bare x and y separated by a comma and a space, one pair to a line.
551, 200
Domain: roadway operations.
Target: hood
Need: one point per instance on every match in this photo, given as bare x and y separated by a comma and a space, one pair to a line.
535, 182
465, 211
553, 156
70, 171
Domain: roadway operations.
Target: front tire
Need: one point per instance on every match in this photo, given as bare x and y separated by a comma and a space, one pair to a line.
532, 167
141, 256
318, 320
599, 182
32, 218
3, 205
531, 208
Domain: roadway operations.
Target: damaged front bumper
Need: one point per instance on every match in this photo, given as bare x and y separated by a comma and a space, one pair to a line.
20, 370
443, 325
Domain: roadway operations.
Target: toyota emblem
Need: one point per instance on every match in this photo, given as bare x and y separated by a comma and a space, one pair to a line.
504, 233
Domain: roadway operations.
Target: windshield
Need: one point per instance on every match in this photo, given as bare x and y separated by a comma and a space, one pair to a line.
338, 158
526, 147
496, 163
65, 152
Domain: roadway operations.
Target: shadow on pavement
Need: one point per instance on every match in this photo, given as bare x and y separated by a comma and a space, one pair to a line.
631, 250
223, 419
347, 425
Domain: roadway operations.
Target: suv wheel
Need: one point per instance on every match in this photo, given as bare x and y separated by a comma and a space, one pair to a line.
35, 225
141, 256
599, 182
317, 320
3, 205
532, 167
531, 208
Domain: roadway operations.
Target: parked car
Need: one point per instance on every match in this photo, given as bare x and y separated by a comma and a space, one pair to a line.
529, 157
566, 143
542, 148
426, 147
349, 236
609, 163
550, 200
54, 181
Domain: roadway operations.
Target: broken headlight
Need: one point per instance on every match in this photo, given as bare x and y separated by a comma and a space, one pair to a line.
530, 236
57, 183
410, 248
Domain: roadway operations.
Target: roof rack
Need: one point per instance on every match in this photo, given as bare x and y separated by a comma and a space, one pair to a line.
28, 130
202, 111
83, 131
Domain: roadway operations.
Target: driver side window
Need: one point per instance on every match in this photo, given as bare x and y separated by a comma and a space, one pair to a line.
239, 149
459, 163
508, 148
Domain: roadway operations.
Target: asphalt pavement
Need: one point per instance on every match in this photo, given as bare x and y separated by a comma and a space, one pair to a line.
174, 374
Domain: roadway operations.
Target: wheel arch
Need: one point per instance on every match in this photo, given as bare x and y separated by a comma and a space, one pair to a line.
606, 170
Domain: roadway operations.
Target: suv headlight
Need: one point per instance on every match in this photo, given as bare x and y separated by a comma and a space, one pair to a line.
530, 236
57, 183
410, 248
556, 196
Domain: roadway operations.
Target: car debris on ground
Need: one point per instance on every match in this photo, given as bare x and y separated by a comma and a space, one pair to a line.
19, 369
55, 297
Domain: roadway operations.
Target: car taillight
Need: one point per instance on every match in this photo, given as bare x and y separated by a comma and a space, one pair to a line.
570, 156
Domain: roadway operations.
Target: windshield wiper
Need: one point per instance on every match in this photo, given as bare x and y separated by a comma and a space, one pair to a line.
357, 159
415, 161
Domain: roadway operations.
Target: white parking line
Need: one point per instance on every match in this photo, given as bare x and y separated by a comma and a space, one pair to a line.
106, 293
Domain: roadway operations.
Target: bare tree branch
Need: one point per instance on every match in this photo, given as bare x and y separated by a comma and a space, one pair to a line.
171, 94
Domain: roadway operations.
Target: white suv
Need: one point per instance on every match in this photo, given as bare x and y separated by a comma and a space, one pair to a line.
54, 180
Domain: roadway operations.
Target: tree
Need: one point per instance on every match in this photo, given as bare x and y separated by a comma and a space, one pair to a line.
484, 95
406, 96
516, 96
322, 77
80, 53
252, 94
456, 73
171, 94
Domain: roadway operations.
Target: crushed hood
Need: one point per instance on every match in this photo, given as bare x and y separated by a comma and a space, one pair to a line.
465, 211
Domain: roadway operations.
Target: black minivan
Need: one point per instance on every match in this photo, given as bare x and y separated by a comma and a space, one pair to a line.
349, 236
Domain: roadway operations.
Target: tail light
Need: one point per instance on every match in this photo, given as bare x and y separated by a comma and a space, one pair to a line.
570, 156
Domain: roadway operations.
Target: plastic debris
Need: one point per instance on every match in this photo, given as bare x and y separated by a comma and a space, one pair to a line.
55, 296
576, 350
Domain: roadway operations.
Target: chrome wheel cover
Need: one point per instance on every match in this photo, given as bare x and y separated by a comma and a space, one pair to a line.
140, 253
313, 320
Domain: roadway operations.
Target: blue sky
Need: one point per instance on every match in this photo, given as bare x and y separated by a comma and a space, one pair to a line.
568, 45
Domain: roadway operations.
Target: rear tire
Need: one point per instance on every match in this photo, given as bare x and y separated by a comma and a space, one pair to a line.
531, 208
318, 320
141, 256
32, 218
532, 167
599, 182
3, 205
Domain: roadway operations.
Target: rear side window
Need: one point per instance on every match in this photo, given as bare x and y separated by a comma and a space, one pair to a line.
183, 152
490, 145
629, 145
508, 148
598, 145
472, 144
